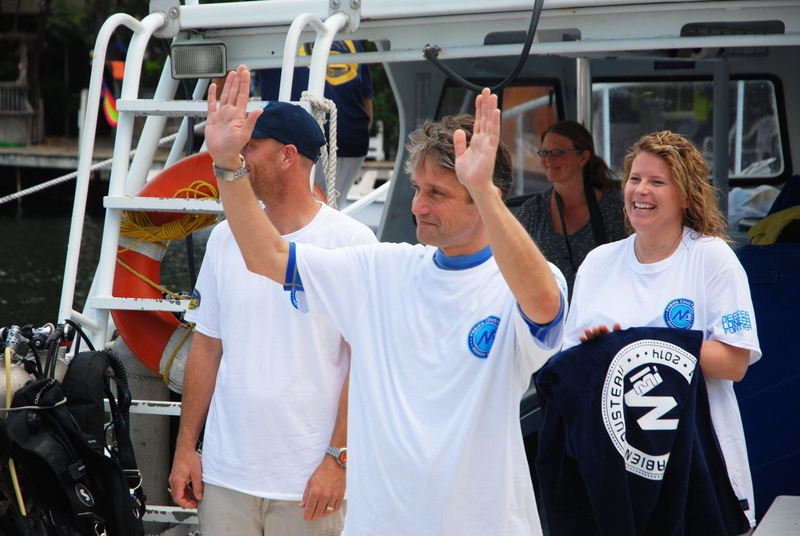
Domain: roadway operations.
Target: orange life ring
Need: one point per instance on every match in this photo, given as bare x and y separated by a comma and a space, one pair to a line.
153, 336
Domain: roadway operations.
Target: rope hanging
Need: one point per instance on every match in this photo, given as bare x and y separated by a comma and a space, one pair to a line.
319, 107
138, 226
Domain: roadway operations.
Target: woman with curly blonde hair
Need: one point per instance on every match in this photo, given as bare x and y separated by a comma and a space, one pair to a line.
690, 171
676, 270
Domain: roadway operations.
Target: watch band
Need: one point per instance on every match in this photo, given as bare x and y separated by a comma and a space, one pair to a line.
230, 175
340, 455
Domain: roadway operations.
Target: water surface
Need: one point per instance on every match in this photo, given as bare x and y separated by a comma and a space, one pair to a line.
33, 258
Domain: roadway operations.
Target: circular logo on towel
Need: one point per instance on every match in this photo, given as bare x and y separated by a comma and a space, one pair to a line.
481, 336
638, 402
84, 496
679, 314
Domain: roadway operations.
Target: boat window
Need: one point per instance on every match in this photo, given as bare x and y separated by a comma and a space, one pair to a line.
527, 111
625, 111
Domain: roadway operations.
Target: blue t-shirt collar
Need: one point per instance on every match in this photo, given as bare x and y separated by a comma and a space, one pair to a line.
461, 262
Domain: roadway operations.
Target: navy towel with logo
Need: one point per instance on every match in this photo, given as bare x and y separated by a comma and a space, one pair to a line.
627, 446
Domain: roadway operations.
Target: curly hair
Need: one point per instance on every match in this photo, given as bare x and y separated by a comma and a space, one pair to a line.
690, 171
596, 172
433, 142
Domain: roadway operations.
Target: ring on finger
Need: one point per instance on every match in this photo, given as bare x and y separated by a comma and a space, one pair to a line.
329, 508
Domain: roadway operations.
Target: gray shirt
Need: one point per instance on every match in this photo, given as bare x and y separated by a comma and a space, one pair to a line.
534, 215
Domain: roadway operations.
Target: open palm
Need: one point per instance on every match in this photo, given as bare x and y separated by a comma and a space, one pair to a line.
229, 127
475, 164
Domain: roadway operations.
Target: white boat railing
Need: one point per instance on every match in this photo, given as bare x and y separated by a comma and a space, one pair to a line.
126, 181
97, 324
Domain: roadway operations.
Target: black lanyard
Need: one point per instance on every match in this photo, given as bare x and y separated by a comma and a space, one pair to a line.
595, 216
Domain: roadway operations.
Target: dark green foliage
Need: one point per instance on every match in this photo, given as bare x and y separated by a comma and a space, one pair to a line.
384, 107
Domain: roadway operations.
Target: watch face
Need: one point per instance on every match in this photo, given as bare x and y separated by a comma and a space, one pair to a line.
343, 457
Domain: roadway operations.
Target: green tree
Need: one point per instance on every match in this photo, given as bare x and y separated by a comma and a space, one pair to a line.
384, 106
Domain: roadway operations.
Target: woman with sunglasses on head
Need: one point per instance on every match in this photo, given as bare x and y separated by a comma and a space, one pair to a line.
582, 210
676, 271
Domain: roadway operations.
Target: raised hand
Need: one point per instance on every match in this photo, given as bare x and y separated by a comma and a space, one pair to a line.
229, 127
475, 164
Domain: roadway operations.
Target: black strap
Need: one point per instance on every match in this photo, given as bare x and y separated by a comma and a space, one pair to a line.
595, 216
124, 447
559, 206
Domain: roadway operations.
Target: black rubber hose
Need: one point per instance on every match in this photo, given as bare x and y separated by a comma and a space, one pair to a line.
431, 52
82, 336
123, 393
119, 371
52, 353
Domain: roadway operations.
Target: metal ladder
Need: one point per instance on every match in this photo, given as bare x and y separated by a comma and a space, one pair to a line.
126, 181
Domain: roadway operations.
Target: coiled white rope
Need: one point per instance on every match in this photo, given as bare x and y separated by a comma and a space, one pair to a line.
69, 176
319, 107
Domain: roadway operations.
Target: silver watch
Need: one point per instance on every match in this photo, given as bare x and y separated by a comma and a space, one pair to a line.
340, 455
228, 174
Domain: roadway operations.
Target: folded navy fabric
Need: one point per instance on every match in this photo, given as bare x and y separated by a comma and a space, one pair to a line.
627, 446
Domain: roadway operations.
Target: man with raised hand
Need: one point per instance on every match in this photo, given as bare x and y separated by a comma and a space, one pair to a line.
444, 336
268, 381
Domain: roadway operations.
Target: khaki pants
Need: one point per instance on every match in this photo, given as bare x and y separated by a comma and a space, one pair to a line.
225, 512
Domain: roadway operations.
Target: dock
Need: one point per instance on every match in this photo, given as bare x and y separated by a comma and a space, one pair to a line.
59, 153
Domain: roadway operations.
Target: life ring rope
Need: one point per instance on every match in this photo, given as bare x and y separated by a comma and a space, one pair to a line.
138, 225
150, 282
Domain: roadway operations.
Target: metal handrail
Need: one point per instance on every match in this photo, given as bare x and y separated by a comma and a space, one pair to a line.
142, 31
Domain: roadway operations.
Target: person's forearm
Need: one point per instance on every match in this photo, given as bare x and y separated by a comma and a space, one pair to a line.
199, 381
523, 266
723, 361
339, 435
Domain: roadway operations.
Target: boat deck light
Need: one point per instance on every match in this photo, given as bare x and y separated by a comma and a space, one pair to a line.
207, 60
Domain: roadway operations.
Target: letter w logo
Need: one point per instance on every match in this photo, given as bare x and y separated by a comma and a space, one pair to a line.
486, 339
681, 314
652, 420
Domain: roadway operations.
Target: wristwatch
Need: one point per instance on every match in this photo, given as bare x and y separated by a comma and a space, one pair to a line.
230, 175
340, 455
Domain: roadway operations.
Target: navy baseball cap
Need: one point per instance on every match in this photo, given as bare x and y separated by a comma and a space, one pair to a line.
290, 124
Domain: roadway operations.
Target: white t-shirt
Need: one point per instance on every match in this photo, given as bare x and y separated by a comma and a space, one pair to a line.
277, 389
701, 286
440, 361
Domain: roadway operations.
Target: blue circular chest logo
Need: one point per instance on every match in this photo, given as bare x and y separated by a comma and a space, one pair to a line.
481, 336
679, 314
293, 298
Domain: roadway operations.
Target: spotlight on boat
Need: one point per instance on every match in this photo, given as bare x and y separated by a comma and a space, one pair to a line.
208, 60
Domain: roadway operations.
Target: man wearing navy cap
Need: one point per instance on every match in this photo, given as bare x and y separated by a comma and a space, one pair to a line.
269, 383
